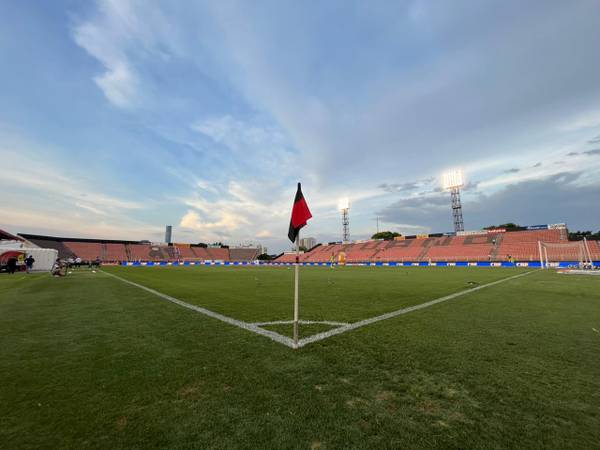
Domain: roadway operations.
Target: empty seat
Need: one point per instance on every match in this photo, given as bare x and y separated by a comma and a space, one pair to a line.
115, 252
87, 251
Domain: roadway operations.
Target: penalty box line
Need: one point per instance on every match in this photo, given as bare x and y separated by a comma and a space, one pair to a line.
207, 312
362, 323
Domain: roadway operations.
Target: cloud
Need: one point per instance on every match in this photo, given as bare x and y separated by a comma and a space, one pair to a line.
402, 187
119, 82
223, 106
222, 226
593, 152
594, 140
554, 199
49, 181
124, 36
263, 234
238, 134
470, 186
46, 197
513, 170
406, 186
383, 116
244, 211
589, 119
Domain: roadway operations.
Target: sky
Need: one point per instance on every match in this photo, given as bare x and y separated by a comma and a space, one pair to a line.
118, 117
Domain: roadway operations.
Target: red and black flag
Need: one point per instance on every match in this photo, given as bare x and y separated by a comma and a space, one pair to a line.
300, 215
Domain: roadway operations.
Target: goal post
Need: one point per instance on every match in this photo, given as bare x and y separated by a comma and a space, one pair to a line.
552, 253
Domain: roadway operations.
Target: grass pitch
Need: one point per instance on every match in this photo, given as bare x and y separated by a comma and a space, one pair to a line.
91, 362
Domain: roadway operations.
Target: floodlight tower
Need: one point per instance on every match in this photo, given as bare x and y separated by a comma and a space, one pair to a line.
452, 181
344, 206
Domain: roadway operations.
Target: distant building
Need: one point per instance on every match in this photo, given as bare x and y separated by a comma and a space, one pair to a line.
168, 234
308, 242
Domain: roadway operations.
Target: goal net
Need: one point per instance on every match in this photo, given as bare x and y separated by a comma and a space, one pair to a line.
552, 253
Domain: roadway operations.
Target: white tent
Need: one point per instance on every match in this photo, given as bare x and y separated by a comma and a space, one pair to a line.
44, 257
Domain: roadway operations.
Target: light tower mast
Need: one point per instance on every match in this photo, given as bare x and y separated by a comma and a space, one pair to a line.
453, 181
345, 207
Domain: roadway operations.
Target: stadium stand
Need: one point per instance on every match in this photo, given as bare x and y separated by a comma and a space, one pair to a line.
218, 254
147, 252
481, 246
594, 248
493, 245
49, 242
289, 257
406, 250
523, 245
185, 252
201, 253
451, 248
87, 251
323, 253
115, 252
243, 254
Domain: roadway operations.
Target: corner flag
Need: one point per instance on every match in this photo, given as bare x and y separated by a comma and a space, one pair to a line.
300, 215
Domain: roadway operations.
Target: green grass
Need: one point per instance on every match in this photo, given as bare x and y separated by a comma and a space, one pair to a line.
343, 294
91, 362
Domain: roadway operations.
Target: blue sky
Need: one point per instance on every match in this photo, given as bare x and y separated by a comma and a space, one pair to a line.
118, 117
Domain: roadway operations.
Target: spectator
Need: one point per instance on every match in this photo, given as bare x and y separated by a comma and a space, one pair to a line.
29, 263
12, 265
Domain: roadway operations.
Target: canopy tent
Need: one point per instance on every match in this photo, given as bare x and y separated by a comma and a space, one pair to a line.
6, 236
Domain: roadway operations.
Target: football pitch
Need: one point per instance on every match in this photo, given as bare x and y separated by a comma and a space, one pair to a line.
393, 357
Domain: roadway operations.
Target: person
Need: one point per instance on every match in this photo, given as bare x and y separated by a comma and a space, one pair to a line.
58, 269
29, 263
12, 265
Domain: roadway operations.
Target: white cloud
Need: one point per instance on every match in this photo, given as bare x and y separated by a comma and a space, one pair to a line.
264, 147
120, 33
45, 197
119, 84
264, 234
225, 223
587, 120
119, 81
272, 110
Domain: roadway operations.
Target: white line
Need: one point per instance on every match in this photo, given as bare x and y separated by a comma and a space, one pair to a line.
343, 327
207, 312
301, 322
362, 323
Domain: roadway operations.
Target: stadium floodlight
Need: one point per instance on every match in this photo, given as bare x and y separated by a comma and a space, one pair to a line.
343, 203
344, 206
453, 180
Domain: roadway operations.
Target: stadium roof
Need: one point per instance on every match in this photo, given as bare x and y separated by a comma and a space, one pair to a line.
69, 239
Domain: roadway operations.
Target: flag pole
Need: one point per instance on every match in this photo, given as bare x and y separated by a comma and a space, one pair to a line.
296, 280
